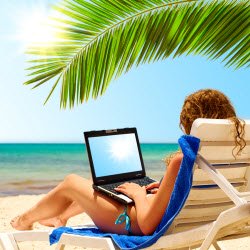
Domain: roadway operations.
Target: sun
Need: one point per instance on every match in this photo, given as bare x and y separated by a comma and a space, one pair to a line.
120, 149
34, 26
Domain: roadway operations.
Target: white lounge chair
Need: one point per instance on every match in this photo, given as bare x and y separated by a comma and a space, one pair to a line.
217, 208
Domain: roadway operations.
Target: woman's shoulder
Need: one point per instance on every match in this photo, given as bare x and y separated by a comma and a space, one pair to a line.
177, 157
175, 162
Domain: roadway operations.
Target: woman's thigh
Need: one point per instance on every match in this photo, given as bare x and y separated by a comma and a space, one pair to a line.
102, 209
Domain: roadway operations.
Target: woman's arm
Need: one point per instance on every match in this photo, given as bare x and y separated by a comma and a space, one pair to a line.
150, 210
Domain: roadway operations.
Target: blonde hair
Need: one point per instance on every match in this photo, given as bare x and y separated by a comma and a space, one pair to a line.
210, 103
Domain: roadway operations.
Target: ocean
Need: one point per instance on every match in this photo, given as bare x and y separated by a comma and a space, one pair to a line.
37, 168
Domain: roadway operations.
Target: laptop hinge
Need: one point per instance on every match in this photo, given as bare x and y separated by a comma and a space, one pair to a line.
139, 175
110, 131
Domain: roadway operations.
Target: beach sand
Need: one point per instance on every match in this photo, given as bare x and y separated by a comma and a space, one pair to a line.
13, 205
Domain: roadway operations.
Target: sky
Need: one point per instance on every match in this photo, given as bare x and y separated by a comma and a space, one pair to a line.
148, 97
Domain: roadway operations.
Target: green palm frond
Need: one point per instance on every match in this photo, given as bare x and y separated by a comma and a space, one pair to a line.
101, 39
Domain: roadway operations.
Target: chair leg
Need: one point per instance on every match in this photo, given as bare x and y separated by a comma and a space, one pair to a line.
60, 247
8, 242
216, 246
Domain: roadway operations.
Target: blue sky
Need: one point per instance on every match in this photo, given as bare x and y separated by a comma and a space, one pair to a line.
148, 97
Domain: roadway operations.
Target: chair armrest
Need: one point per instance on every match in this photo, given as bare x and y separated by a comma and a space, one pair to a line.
221, 181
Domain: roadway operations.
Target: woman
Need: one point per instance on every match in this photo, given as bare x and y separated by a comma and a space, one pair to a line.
75, 195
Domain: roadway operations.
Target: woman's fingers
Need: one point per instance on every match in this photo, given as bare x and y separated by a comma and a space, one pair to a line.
154, 191
152, 185
131, 189
124, 185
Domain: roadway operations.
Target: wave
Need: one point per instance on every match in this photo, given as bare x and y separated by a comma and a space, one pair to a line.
27, 187
32, 182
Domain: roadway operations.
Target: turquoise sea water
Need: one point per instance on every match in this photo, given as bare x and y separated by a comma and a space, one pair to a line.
36, 168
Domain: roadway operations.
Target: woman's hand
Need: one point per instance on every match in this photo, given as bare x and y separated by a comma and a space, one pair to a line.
132, 190
153, 187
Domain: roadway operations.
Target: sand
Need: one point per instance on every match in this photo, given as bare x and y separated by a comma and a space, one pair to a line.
13, 205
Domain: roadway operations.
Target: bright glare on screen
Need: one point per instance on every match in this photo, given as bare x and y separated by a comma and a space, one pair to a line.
120, 149
114, 154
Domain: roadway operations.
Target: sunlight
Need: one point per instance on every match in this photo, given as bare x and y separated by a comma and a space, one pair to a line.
120, 149
34, 26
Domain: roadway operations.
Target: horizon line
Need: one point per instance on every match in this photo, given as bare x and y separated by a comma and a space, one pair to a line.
67, 142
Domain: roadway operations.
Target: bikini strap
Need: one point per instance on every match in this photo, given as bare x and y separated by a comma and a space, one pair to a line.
123, 217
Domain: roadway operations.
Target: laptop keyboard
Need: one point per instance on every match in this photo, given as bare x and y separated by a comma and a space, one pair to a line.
142, 182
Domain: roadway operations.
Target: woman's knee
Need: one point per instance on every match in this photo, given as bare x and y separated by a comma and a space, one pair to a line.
73, 179
74, 184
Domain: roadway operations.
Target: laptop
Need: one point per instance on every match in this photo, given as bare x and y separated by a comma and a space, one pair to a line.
115, 157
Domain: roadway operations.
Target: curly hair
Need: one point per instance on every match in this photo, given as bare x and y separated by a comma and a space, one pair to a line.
210, 103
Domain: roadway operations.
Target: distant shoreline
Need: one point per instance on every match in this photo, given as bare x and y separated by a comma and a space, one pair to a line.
27, 168
78, 143
37, 187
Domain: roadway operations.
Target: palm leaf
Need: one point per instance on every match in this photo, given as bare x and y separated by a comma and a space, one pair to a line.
101, 39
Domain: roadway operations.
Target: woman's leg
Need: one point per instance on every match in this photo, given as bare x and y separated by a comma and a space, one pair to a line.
102, 210
61, 220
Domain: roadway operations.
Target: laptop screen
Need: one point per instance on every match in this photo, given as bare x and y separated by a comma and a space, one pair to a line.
114, 154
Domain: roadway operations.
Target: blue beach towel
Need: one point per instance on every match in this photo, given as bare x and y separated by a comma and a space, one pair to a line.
189, 146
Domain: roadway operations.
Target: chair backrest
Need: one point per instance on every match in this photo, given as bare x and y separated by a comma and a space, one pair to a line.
206, 200
218, 142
